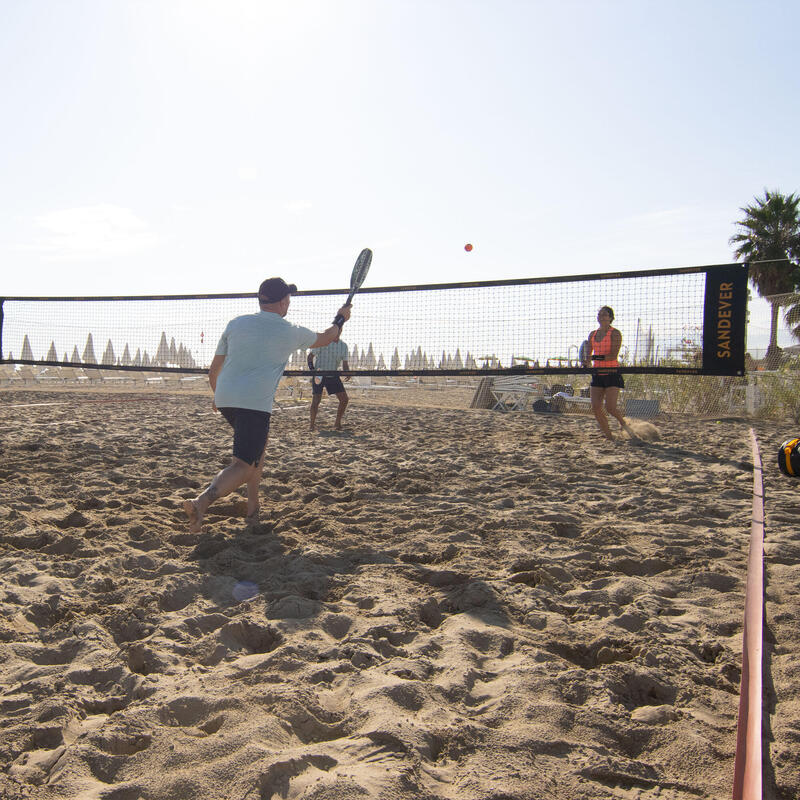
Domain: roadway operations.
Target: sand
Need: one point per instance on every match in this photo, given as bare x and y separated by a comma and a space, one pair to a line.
439, 603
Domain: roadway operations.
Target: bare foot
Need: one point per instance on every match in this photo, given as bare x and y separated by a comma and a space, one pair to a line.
251, 521
195, 517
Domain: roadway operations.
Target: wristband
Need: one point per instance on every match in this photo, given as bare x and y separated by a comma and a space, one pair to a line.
338, 321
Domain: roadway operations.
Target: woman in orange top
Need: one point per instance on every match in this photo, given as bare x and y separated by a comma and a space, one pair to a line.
604, 345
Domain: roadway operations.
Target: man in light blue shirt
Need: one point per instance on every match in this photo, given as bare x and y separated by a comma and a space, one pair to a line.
244, 374
329, 358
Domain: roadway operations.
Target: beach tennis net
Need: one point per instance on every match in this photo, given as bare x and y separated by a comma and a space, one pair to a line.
686, 320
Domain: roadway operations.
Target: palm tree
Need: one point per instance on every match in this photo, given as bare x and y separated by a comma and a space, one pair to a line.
769, 238
793, 316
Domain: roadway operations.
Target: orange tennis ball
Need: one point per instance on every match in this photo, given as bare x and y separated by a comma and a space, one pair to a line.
468, 247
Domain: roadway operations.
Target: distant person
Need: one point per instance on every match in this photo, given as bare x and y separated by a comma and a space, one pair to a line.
329, 358
603, 349
244, 374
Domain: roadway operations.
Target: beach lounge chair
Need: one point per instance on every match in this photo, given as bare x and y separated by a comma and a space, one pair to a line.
73, 375
191, 381
93, 376
513, 393
115, 377
50, 375
565, 403
27, 374
8, 374
641, 409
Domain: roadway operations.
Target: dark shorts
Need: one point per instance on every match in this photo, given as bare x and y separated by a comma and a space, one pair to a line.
250, 431
606, 380
333, 383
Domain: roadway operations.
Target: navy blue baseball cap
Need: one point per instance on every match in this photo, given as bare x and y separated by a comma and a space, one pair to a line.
273, 290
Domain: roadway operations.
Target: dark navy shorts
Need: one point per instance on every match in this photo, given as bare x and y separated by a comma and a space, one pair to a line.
333, 383
250, 431
606, 380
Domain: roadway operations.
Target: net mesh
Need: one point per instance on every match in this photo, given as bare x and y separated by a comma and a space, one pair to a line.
454, 328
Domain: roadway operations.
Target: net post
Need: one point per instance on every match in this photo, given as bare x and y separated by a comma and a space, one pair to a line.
2, 300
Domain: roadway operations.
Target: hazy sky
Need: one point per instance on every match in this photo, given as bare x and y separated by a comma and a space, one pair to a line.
163, 146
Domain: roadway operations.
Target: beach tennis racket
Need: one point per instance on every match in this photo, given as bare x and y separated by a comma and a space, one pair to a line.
359, 273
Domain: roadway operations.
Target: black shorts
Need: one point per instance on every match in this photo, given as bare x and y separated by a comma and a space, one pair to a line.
605, 380
250, 431
333, 383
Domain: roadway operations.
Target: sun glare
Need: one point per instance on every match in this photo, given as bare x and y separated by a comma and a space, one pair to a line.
237, 21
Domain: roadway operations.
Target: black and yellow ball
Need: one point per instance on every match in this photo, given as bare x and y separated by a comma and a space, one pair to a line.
789, 458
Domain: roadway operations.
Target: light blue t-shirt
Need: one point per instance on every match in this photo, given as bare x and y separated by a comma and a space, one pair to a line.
330, 356
256, 348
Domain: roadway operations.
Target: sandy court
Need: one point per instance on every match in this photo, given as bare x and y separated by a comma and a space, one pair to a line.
440, 603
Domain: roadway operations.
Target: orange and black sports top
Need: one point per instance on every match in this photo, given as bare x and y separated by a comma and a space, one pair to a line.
602, 348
